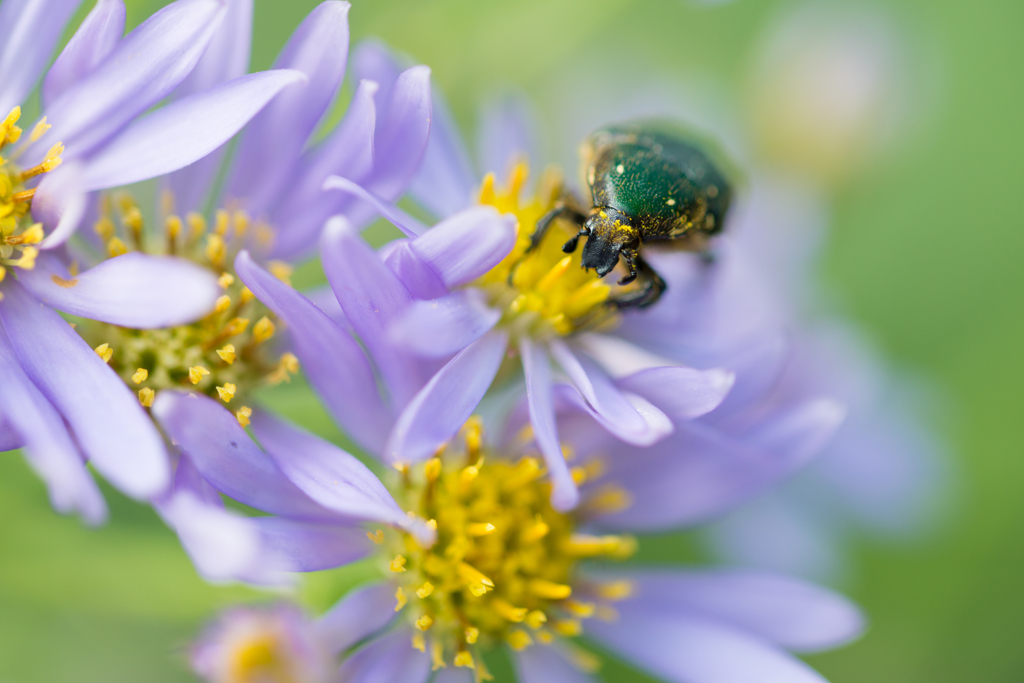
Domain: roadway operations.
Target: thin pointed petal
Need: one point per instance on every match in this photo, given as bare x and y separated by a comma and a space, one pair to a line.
29, 31
361, 613
90, 44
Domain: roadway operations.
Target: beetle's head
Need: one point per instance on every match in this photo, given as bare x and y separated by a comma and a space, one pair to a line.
609, 232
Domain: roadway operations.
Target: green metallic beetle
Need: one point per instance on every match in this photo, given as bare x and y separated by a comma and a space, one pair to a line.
647, 183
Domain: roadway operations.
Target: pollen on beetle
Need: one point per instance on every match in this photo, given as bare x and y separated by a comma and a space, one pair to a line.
542, 290
503, 566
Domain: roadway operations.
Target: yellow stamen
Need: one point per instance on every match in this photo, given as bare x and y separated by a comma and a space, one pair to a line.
472, 633
508, 611
34, 235
104, 227
583, 610
39, 130
196, 372
140, 375
105, 352
227, 354
425, 590
437, 656
24, 195
234, 326
27, 261
570, 628
419, 642
222, 304
401, 599
226, 280
480, 528
536, 619
215, 249
263, 329
146, 396
424, 623
615, 590
226, 392
242, 415
519, 640
464, 659
115, 247
550, 590
376, 536
398, 564
281, 270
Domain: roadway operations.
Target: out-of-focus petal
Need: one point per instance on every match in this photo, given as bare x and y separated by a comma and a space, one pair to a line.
111, 427
93, 41
60, 203
141, 70
792, 614
537, 368
628, 416
272, 143
700, 472
388, 658
693, 648
30, 31
333, 361
227, 57
449, 399
9, 439
419, 277
446, 181
227, 458
185, 131
132, 290
545, 664
373, 60
359, 614
311, 546
48, 446
400, 219
507, 134
327, 474
402, 131
681, 393
467, 245
443, 326
373, 299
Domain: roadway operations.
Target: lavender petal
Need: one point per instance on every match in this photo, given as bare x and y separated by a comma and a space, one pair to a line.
446, 325
467, 245
445, 182
31, 30
90, 44
60, 203
111, 427
388, 658
311, 546
358, 615
132, 290
545, 664
681, 393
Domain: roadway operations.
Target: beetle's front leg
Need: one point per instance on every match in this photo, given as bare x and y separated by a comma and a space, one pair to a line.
561, 209
628, 255
571, 245
650, 291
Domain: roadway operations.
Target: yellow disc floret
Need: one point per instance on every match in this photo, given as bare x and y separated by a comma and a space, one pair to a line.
503, 566
543, 291
224, 355
18, 233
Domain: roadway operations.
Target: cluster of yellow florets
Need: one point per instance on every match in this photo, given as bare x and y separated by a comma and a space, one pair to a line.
543, 290
225, 354
18, 234
503, 566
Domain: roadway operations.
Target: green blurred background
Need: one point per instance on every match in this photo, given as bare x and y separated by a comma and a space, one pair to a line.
924, 252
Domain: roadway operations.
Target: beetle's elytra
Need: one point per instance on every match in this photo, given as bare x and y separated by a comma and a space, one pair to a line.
648, 182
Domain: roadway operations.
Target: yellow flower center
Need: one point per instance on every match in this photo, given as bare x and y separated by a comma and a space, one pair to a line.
18, 234
225, 354
503, 566
261, 660
544, 291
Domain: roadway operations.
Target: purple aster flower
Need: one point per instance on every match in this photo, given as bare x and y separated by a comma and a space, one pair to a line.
273, 644
472, 554
94, 135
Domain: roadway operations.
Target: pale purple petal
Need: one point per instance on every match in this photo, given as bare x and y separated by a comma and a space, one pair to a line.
507, 135
446, 181
790, 613
9, 439
440, 327
691, 648
628, 416
272, 143
400, 219
132, 290
30, 32
222, 544
537, 369
467, 245
681, 393
372, 60
449, 399
90, 44
545, 664
226, 456
387, 659
700, 472
326, 473
333, 361
311, 546
451, 675
227, 57
111, 427
402, 131
60, 203
419, 277
49, 448
185, 131
323, 298
361, 613
141, 70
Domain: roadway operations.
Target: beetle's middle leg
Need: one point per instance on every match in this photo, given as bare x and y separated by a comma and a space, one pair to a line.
651, 289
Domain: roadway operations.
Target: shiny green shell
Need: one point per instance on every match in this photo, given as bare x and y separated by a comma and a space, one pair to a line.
651, 172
